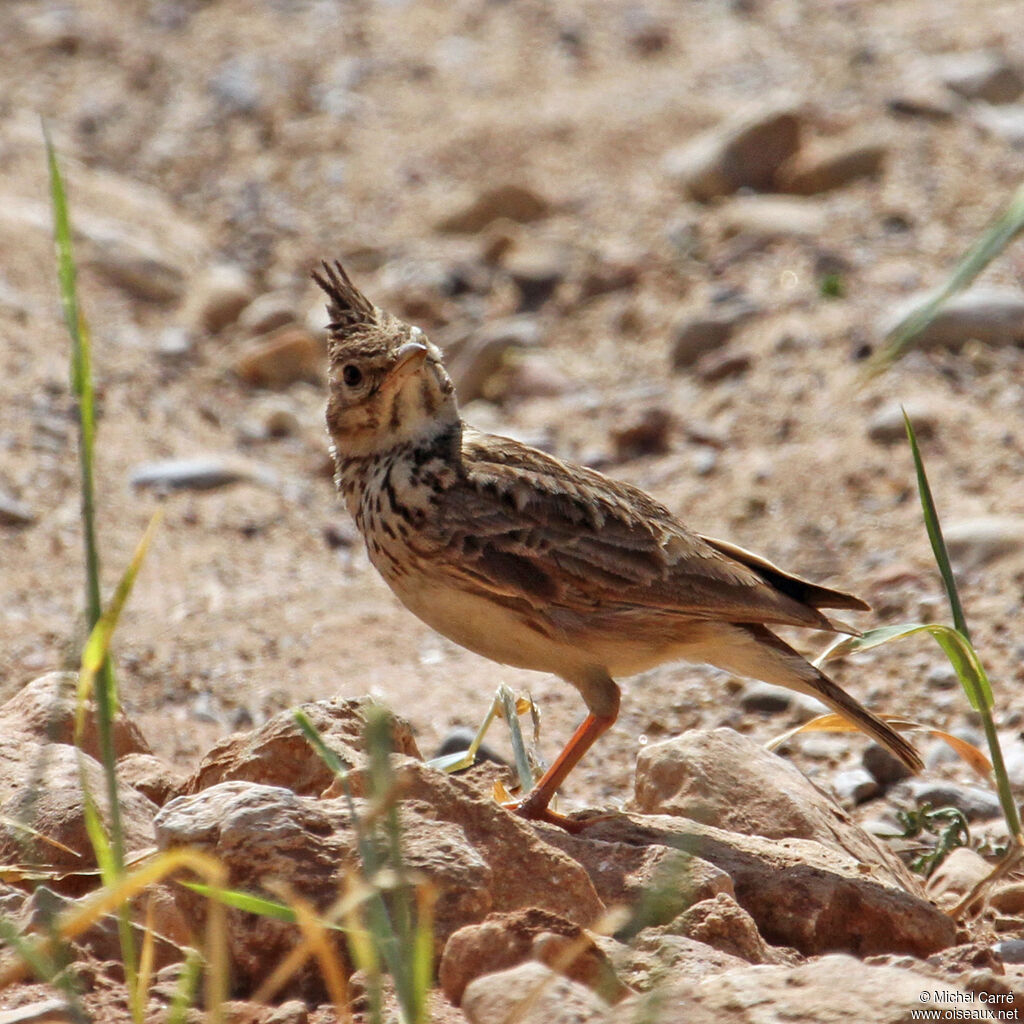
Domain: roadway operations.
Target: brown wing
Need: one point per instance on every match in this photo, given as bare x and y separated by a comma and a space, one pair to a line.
525, 526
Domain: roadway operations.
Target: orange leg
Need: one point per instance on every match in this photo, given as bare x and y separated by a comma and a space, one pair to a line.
535, 806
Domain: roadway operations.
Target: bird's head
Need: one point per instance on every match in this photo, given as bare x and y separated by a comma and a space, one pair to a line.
387, 383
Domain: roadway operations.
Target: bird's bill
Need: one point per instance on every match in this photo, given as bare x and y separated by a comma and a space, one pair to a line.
408, 359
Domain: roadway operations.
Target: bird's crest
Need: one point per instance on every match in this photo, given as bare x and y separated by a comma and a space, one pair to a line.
348, 306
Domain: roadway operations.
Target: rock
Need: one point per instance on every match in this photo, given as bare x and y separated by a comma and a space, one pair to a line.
513, 202
645, 33
530, 375
655, 955
694, 337
648, 435
141, 272
1008, 898
746, 150
920, 97
202, 473
831, 164
724, 779
1010, 951
48, 1011
278, 753
149, 775
501, 941
993, 316
531, 994
832, 990
537, 270
1005, 122
174, 344
765, 218
885, 768
977, 542
294, 1011
483, 354
802, 893
886, 425
14, 512
982, 75
713, 367
957, 875
977, 804
217, 297
724, 925
46, 708
765, 698
855, 786
288, 356
268, 312
41, 788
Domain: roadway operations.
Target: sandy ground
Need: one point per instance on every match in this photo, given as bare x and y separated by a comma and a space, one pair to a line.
270, 135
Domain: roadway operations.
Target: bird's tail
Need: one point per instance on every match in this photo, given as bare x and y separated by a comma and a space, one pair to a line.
774, 661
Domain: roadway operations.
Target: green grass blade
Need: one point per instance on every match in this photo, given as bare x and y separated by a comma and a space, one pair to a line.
934, 528
316, 741
992, 242
185, 993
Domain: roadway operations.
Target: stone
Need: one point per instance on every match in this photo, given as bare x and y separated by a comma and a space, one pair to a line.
886, 424
290, 355
696, 336
724, 779
802, 893
41, 788
530, 375
648, 434
765, 698
765, 218
174, 344
140, 271
855, 786
957, 875
723, 364
921, 97
483, 354
745, 151
217, 297
831, 990
832, 164
14, 512
1010, 951
1005, 122
724, 925
885, 768
977, 804
202, 473
510, 201
531, 994
149, 775
536, 270
981, 541
268, 312
46, 708
982, 75
278, 753
501, 941
1008, 898
47, 1011
994, 316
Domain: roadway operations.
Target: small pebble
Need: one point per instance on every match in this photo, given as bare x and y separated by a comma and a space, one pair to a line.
768, 217
883, 767
886, 425
1010, 951
14, 512
976, 804
174, 344
982, 75
994, 316
973, 543
766, 699
267, 313
831, 165
218, 296
196, 474
286, 357
514, 202
855, 786
50, 1011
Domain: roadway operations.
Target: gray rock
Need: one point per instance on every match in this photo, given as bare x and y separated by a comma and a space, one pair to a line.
982, 75
991, 315
143, 273
973, 543
537, 271
977, 804
49, 1011
855, 786
174, 344
198, 474
698, 335
14, 512
268, 312
883, 767
1010, 951
746, 150
886, 425
764, 698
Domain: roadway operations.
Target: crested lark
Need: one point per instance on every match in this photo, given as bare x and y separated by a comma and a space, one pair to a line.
538, 563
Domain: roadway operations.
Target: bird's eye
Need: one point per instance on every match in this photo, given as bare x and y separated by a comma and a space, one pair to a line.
352, 375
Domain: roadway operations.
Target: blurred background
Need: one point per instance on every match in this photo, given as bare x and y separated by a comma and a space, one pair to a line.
657, 237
